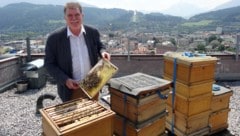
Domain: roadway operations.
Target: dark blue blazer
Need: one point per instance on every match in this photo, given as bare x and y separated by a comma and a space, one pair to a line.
58, 60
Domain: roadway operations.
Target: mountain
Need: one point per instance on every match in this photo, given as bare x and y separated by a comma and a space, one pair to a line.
228, 19
182, 9
27, 17
44, 2
230, 4
41, 19
21, 19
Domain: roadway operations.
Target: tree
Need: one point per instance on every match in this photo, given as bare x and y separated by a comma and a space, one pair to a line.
211, 38
201, 48
173, 41
220, 40
111, 35
221, 47
215, 44
155, 41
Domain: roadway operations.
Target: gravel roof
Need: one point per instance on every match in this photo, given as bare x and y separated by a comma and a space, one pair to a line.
18, 111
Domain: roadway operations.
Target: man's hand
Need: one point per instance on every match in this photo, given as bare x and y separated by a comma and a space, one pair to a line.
72, 84
106, 56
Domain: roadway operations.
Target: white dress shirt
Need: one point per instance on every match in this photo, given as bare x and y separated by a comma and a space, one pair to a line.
80, 57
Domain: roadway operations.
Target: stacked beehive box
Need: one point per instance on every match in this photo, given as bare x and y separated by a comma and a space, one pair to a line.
218, 119
80, 117
189, 114
139, 101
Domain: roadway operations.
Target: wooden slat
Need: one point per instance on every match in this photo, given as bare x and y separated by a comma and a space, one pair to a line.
83, 121
60, 109
76, 116
69, 113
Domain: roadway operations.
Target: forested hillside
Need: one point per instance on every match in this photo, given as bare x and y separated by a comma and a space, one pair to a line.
31, 19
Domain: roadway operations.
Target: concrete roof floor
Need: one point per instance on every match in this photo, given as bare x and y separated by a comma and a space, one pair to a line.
18, 110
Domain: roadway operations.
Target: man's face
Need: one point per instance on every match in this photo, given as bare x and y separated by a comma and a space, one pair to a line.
73, 19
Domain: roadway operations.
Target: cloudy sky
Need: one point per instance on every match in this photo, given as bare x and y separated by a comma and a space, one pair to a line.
153, 5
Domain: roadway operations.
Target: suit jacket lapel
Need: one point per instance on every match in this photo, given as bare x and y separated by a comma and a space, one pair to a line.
67, 48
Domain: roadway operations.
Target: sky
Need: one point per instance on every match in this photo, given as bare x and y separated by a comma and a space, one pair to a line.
152, 5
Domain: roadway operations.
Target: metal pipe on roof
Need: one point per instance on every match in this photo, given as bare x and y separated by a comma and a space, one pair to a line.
237, 46
28, 49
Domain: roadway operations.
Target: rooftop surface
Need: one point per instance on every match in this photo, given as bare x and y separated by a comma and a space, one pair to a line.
18, 110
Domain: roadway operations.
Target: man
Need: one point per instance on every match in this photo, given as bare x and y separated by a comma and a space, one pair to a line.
72, 51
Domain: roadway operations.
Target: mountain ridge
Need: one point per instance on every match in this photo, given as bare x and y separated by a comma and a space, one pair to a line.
36, 19
186, 10
230, 4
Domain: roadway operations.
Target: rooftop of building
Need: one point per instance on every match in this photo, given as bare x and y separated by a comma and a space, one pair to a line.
19, 118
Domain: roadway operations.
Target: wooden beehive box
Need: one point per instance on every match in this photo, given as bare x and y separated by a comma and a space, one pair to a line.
218, 120
188, 125
221, 98
123, 127
191, 106
190, 70
78, 117
193, 90
137, 110
136, 96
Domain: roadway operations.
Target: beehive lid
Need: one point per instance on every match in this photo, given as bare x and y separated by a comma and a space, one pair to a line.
138, 83
218, 90
189, 58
